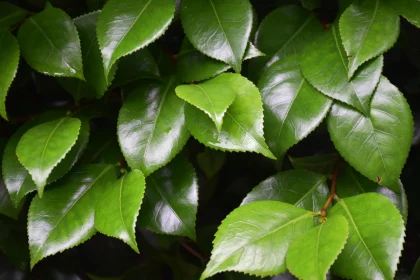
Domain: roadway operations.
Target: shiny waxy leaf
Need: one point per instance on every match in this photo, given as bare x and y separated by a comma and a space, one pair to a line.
304, 189
151, 125
410, 9
171, 200
50, 44
323, 164
10, 14
129, 25
7, 207
313, 253
254, 238
118, 204
242, 128
325, 64
66, 211
42, 147
298, 26
375, 240
368, 29
292, 107
213, 97
378, 145
9, 60
218, 28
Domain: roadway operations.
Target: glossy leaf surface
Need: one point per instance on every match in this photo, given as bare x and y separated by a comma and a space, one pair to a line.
9, 60
368, 29
213, 97
42, 147
313, 253
151, 126
375, 240
324, 63
7, 207
410, 9
117, 207
254, 238
50, 44
70, 207
304, 189
171, 200
218, 28
377, 146
242, 128
292, 107
126, 26
10, 14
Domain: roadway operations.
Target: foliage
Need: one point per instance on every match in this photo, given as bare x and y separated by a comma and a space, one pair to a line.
142, 129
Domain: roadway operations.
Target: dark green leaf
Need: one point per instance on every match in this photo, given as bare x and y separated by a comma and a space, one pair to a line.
375, 240
254, 238
171, 200
304, 189
7, 207
416, 271
325, 64
292, 107
242, 128
368, 29
66, 211
10, 14
102, 148
211, 161
9, 60
151, 126
50, 44
378, 145
14, 243
323, 164
410, 9
311, 4
125, 26
218, 29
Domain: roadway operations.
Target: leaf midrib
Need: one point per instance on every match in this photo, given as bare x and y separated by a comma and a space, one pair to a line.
48, 140
317, 184
221, 27
211, 102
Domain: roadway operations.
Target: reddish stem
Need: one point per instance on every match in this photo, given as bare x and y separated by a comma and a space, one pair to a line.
332, 192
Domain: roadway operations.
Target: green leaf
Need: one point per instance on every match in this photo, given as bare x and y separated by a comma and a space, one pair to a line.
313, 253
323, 164
298, 26
292, 107
42, 147
325, 64
118, 205
302, 188
102, 148
410, 9
151, 126
375, 240
351, 183
125, 26
171, 200
368, 30
311, 4
9, 60
416, 270
242, 128
213, 97
50, 44
211, 161
378, 145
10, 14
218, 29
66, 211
254, 238
7, 207
14, 242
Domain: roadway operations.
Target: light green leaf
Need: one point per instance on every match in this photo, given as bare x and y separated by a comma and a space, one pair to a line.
242, 128
304, 189
117, 207
378, 145
323, 164
325, 64
213, 97
410, 9
218, 29
351, 183
10, 14
9, 60
151, 126
125, 26
254, 238
171, 200
368, 29
375, 240
66, 211
42, 147
50, 44
292, 107
211, 161
298, 27
313, 253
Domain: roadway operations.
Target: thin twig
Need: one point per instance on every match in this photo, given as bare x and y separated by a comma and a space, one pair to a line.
332, 192
193, 252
